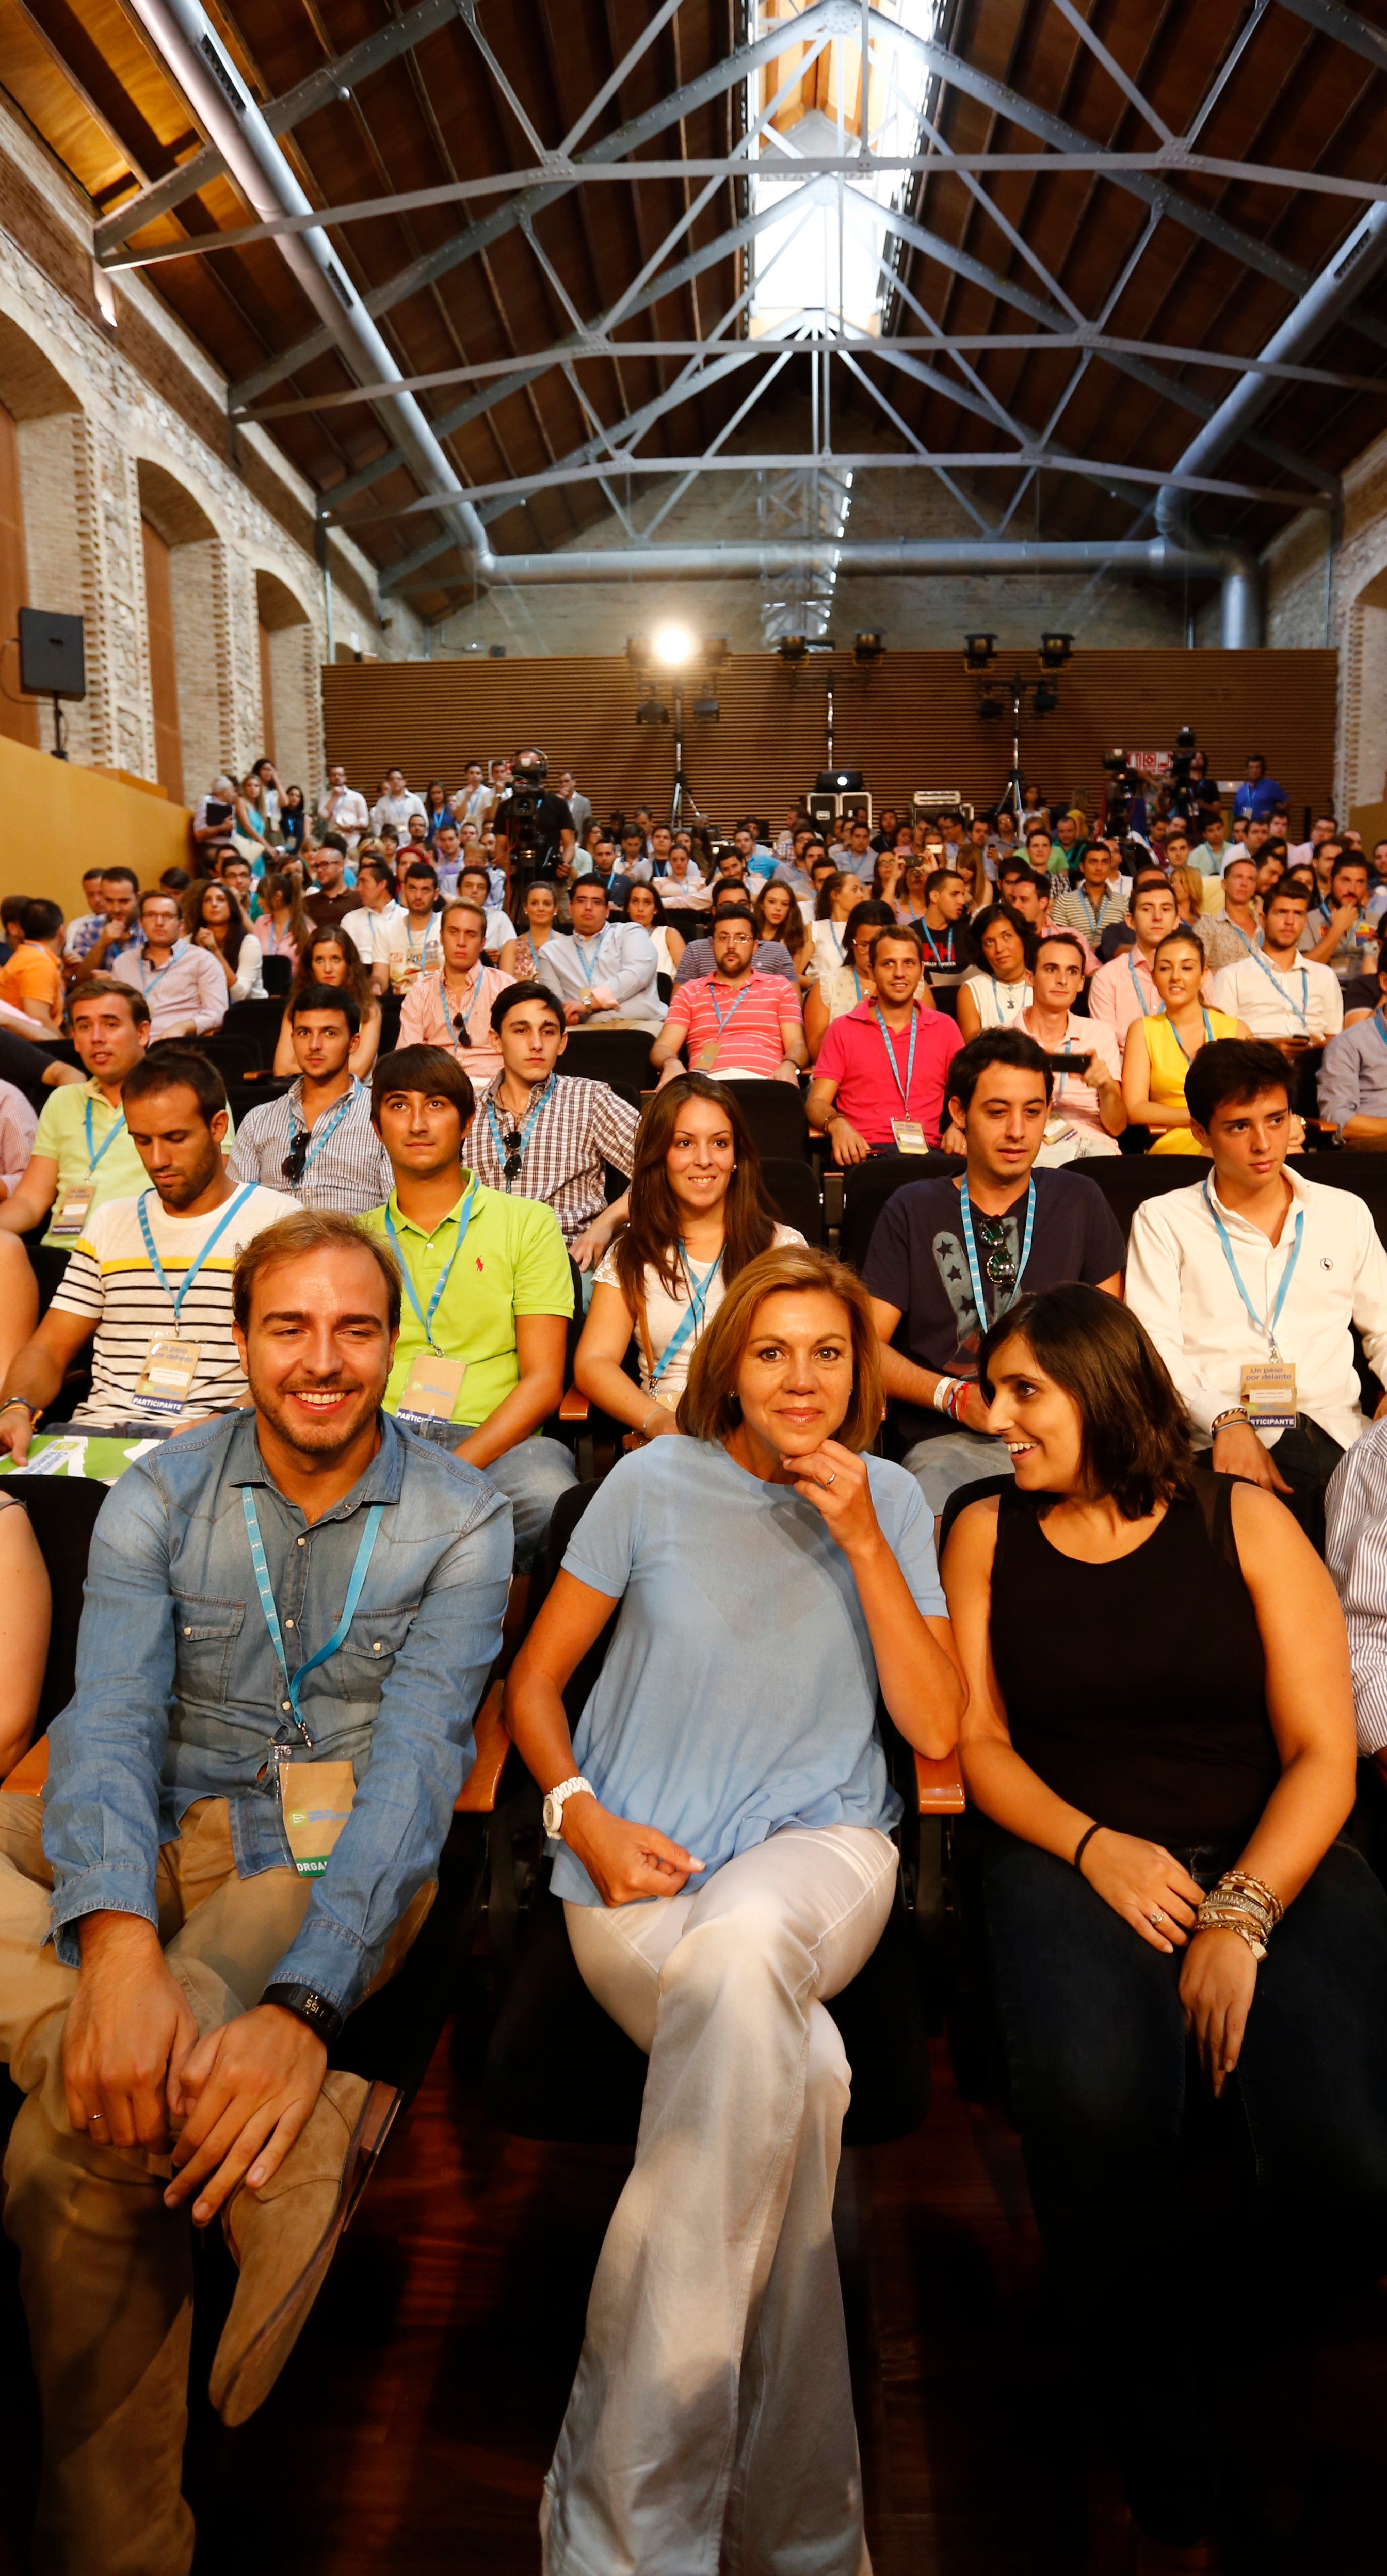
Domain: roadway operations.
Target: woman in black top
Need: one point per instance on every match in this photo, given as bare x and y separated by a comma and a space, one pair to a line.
1160, 1720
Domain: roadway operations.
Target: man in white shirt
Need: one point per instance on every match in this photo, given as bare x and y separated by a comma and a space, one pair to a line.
474, 882
1210, 856
1279, 993
605, 974
474, 800
414, 944
1125, 989
370, 926
396, 804
342, 808
1355, 1551
1250, 1281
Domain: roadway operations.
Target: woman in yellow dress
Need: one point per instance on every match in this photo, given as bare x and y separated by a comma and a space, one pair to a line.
1160, 1048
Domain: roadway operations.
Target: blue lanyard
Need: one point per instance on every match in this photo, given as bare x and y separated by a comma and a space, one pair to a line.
856, 983
691, 1321
902, 1087
1136, 982
93, 1157
1272, 977
463, 1221
159, 971
178, 1294
725, 1024
291, 1685
583, 945
999, 989
531, 1115
324, 1129
1260, 1321
1095, 918
1184, 1050
971, 1249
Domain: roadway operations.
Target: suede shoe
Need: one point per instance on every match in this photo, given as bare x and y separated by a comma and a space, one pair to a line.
284, 2236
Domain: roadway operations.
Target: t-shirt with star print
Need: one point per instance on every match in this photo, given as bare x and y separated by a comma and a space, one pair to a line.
916, 1261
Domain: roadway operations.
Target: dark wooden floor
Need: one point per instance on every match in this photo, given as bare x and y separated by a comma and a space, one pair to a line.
412, 2427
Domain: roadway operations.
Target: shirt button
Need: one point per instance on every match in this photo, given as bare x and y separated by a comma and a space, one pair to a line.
288, 1623
187, 1632
301, 1542
284, 1704
375, 1645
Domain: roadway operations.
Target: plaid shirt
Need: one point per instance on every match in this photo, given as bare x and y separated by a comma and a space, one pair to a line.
580, 1126
351, 1171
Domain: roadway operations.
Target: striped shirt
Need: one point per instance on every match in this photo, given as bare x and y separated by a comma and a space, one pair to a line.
1356, 1553
187, 992
580, 1126
741, 1027
430, 1014
350, 1170
110, 1282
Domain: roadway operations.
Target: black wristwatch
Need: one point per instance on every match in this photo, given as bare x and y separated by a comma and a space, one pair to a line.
308, 2006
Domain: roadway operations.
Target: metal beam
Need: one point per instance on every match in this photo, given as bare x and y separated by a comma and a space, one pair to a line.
1345, 26
937, 165
1085, 340
334, 80
868, 460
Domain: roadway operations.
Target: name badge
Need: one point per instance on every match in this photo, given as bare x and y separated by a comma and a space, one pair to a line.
910, 1136
706, 1058
1268, 1391
68, 1222
165, 1382
431, 1389
1059, 1132
316, 1798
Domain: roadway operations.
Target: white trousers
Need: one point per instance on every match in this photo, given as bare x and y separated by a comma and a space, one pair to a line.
710, 2431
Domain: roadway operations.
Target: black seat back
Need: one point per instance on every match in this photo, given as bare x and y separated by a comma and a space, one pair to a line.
618, 1057
774, 1113
868, 1186
62, 1514
794, 1192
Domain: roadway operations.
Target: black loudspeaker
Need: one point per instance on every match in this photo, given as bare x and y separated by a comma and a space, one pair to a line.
52, 654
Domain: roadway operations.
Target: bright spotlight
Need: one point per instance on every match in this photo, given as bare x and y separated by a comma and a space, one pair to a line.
674, 646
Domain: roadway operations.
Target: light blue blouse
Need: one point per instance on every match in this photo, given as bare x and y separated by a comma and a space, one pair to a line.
738, 1694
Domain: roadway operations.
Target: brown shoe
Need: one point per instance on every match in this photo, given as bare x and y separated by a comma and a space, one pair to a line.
284, 2237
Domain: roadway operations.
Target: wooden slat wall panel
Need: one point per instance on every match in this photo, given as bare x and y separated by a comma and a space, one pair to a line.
912, 722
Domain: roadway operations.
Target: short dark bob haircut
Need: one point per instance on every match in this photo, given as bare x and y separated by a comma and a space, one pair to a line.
1010, 1047
422, 1068
984, 921
1134, 1432
1233, 1070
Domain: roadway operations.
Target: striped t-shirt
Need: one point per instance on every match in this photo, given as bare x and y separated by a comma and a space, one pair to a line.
110, 1281
740, 1028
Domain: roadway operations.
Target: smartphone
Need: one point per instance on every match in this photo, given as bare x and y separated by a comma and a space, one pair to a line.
1070, 1062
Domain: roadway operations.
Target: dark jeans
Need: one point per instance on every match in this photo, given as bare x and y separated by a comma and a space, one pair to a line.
1307, 1458
1185, 2231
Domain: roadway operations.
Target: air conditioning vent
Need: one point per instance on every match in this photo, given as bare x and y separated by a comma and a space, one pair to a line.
224, 78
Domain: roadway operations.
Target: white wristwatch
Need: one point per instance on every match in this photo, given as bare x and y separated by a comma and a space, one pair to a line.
558, 1798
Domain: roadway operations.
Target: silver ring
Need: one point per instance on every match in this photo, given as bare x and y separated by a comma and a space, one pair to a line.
828, 1480
98, 2119
1158, 1917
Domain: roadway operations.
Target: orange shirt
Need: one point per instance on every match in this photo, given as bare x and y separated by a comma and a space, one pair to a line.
32, 975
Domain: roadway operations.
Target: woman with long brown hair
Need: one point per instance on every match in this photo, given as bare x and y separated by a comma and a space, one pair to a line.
331, 957
699, 1214
213, 919
778, 917
281, 925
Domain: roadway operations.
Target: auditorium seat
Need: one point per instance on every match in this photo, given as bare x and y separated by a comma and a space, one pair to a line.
557, 2067
868, 1186
794, 1191
774, 1112
257, 1022
618, 1057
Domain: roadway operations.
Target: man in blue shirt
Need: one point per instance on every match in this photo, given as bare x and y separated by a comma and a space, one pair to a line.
1353, 1079
290, 1616
1259, 796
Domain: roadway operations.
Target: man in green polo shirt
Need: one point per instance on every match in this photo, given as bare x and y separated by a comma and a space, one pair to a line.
488, 1293
82, 1151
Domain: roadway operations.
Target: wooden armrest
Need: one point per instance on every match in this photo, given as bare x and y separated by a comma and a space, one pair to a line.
573, 1406
478, 1797
30, 1771
939, 1785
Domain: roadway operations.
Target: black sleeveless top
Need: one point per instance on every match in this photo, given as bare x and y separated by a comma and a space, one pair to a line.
1137, 1689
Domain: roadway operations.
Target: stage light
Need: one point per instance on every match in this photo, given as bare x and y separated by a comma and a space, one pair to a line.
989, 704
1055, 651
867, 649
979, 652
1046, 699
792, 649
708, 709
673, 646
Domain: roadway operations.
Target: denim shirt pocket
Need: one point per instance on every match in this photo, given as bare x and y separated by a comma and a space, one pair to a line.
206, 1628
369, 1649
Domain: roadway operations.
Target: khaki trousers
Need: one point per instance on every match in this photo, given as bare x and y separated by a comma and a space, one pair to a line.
105, 2268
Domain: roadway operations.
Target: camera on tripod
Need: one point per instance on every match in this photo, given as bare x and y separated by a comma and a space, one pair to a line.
522, 812
1124, 784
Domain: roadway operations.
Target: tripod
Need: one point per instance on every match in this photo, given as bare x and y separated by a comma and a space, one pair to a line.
681, 802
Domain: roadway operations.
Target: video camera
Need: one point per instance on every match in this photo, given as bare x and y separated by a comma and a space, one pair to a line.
1125, 784
529, 772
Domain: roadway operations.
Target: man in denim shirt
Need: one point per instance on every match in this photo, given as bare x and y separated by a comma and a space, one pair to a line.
240, 1841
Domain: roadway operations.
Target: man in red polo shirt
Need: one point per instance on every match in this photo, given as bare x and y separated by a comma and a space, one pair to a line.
880, 1078
733, 1021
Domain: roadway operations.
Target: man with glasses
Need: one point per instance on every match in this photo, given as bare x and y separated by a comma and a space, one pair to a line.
545, 1135
947, 1257
184, 987
605, 975
317, 1141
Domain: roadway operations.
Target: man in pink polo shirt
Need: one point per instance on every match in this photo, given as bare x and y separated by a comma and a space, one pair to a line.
1125, 989
880, 1077
733, 1022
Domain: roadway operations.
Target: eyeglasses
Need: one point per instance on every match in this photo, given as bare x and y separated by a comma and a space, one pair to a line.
296, 1159
999, 1264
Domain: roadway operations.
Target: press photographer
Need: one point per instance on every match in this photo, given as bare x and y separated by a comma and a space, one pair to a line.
534, 830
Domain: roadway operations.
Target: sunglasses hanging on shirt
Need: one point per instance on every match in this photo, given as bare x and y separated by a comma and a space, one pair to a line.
1000, 1263
295, 1161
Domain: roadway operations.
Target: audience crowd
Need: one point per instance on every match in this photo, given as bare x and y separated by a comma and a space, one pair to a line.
1081, 1484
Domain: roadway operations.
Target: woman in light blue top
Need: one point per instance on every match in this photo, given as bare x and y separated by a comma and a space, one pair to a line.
724, 1855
